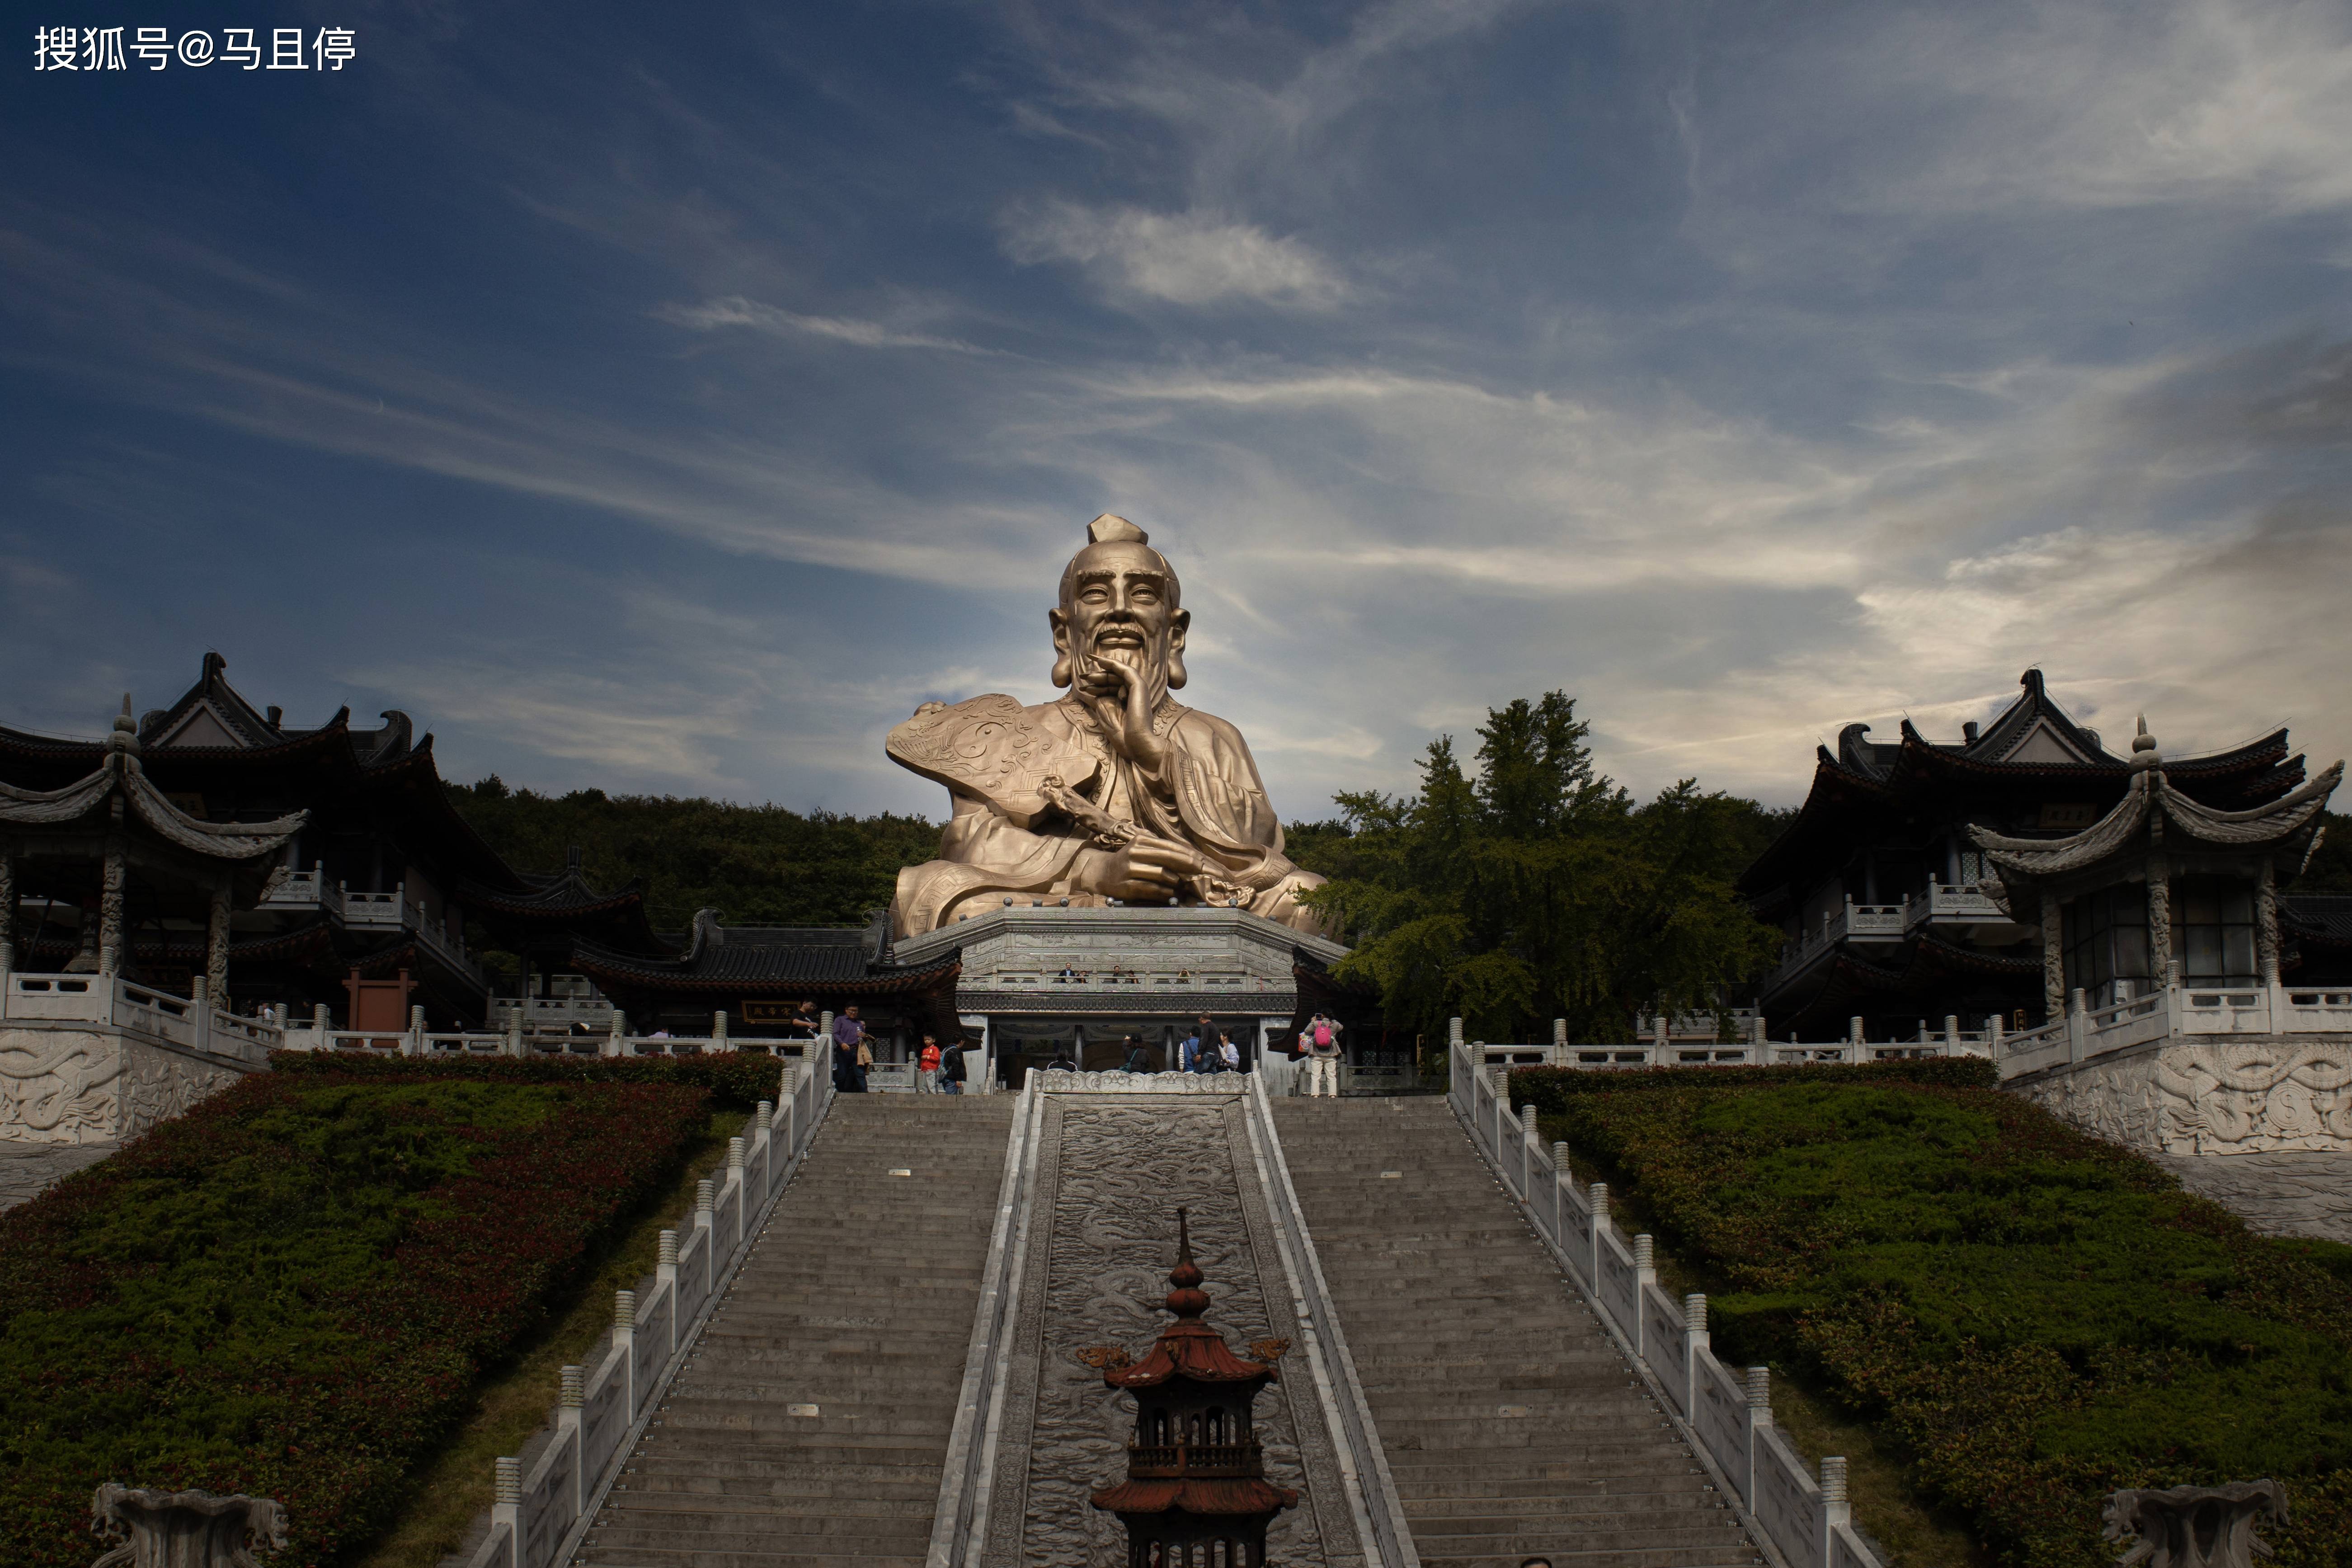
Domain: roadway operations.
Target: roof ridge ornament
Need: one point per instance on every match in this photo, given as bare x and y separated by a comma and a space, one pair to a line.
125, 738
2144, 751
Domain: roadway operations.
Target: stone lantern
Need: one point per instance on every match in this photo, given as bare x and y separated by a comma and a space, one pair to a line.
1196, 1494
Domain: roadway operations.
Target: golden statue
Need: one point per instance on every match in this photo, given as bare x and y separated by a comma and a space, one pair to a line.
1116, 791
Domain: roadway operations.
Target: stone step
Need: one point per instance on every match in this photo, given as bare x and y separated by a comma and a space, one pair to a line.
1591, 1474
856, 1298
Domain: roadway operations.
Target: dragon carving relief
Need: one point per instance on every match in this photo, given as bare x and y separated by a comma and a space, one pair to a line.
67, 1087
2213, 1098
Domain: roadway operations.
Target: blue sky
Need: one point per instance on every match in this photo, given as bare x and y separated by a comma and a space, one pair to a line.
672, 398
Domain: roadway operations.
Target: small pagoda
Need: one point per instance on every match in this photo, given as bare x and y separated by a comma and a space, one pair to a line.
1196, 1494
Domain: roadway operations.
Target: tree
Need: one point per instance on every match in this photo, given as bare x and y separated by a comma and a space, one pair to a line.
1538, 888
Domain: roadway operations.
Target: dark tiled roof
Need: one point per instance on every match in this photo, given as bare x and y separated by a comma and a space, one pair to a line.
2327, 916
738, 958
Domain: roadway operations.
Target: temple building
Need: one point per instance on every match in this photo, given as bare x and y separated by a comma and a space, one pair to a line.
367, 909
1888, 890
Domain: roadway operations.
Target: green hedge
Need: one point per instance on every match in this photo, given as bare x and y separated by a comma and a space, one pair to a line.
736, 1080
2034, 1316
1550, 1089
291, 1290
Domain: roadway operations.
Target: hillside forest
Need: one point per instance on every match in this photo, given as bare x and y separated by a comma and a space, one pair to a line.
1513, 887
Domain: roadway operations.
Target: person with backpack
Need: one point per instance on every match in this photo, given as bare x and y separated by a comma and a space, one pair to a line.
1188, 1055
1322, 1058
952, 1070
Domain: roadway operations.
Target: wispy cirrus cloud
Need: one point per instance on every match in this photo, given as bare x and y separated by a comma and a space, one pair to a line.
738, 312
1182, 259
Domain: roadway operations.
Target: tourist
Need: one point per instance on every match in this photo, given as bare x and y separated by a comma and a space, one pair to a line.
927, 1067
851, 1054
1188, 1054
804, 1023
1322, 1058
952, 1070
1137, 1058
1230, 1051
1061, 1062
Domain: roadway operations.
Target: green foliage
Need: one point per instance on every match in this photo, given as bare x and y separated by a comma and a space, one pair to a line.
2036, 1317
1548, 1090
1538, 888
736, 1081
291, 1290
2330, 870
756, 865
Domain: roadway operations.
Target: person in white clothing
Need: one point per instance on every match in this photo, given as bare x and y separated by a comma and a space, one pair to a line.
1322, 1058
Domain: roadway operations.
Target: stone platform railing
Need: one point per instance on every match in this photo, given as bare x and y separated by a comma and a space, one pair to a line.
1726, 1416
109, 1001
2177, 1012
545, 1498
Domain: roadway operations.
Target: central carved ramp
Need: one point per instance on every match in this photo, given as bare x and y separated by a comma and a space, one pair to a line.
810, 1428
1512, 1424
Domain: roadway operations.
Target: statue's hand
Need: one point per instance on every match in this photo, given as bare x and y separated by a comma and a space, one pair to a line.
1132, 730
1152, 869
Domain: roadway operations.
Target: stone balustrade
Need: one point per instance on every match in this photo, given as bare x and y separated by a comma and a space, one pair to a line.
1725, 1416
541, 1507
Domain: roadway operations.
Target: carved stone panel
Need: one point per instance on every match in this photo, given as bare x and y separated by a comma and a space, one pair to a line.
2242, 1097
1110, 1177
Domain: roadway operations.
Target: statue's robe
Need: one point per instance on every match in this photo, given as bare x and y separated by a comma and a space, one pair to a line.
999, 759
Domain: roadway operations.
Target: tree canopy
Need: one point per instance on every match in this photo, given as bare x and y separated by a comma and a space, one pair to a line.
756, 865
1538, 888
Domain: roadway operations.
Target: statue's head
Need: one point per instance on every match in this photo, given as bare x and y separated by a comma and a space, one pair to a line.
1120, 602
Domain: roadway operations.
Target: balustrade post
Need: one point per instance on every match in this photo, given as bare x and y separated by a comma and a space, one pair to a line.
1835, 1511
705, 1201
514, 1031
1756, 1038
1855, 1052
321, 1026
506, 1503
414, 1045
1596, 1195
1951, 1034
742, 1193
1645, 1273
2078, 1024
1560, 1177
1759, 1417
1992, 1036
571, 1391
624, 1340
1695, 1340
719, 1030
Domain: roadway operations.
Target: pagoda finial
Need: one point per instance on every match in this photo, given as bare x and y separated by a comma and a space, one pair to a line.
1186, 1299
2144, 753
126, 730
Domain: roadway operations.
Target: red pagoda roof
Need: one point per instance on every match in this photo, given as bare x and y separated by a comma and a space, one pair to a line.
1188, 1347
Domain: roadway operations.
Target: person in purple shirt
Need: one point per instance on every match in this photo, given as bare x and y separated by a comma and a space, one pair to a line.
849, 1053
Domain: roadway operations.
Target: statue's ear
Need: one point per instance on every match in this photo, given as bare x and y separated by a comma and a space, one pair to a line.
1065, 668
1178, 624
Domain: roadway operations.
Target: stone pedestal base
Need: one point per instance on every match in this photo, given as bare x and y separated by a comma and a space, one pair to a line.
71, 1082
2243, 1095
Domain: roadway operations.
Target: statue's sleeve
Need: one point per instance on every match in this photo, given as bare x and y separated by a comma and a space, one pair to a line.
1224, 802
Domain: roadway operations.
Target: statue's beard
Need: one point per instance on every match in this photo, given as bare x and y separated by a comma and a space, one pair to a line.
1101, 686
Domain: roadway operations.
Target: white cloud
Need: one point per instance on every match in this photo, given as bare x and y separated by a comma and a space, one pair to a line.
1185, 259
738, 312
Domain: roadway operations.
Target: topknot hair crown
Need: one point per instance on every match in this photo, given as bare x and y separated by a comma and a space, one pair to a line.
1110, 529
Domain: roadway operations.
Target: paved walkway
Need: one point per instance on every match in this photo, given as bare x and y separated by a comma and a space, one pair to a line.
27, 1169
2278, 1194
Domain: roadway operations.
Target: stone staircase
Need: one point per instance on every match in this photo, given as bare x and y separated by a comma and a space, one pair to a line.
1513, 1426
857, 1301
